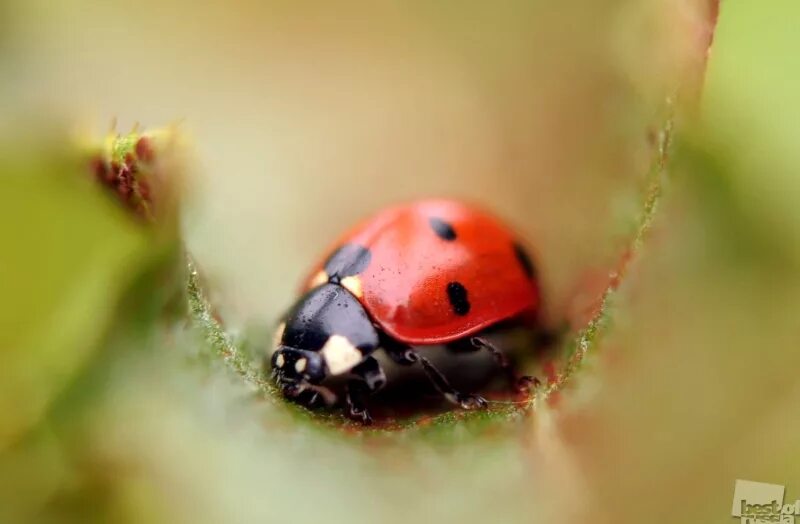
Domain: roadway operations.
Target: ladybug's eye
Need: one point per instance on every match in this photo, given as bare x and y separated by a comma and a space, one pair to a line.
311, 366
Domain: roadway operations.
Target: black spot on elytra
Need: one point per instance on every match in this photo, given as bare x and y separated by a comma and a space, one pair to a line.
524, 261
442, 229
347, 261
457, 294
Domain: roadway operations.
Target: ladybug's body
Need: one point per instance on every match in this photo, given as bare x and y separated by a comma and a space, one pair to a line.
429, 272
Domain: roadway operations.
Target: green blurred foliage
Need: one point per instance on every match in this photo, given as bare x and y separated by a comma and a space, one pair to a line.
85, 282
750, 114
67, 255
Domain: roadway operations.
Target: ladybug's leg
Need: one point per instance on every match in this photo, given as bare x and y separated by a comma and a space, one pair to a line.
355, 399
371, 373
405, 355
399, 352
519, 383
465, 400
370, 378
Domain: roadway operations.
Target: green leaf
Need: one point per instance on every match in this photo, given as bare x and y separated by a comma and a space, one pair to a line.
68, 253
751, 110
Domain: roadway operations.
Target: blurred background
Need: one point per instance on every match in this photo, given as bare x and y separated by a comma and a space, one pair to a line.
275, 125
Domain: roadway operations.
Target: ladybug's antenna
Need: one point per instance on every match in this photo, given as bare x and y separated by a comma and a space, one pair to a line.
328, 396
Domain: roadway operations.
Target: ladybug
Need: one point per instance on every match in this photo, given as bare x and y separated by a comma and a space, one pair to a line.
431, 272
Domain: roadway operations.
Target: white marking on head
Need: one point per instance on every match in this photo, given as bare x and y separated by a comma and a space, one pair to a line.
353, 285
279, 360
300, 365
320, 278
340, 355
277, 337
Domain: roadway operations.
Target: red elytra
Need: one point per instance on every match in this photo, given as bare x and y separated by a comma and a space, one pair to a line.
414, 260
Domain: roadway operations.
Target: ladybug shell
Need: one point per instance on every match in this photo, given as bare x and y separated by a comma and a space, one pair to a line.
435, 271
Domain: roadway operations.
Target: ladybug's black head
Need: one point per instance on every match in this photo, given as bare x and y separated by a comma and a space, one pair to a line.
327, 332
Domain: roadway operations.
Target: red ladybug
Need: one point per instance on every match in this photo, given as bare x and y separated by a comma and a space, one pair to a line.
423, 273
